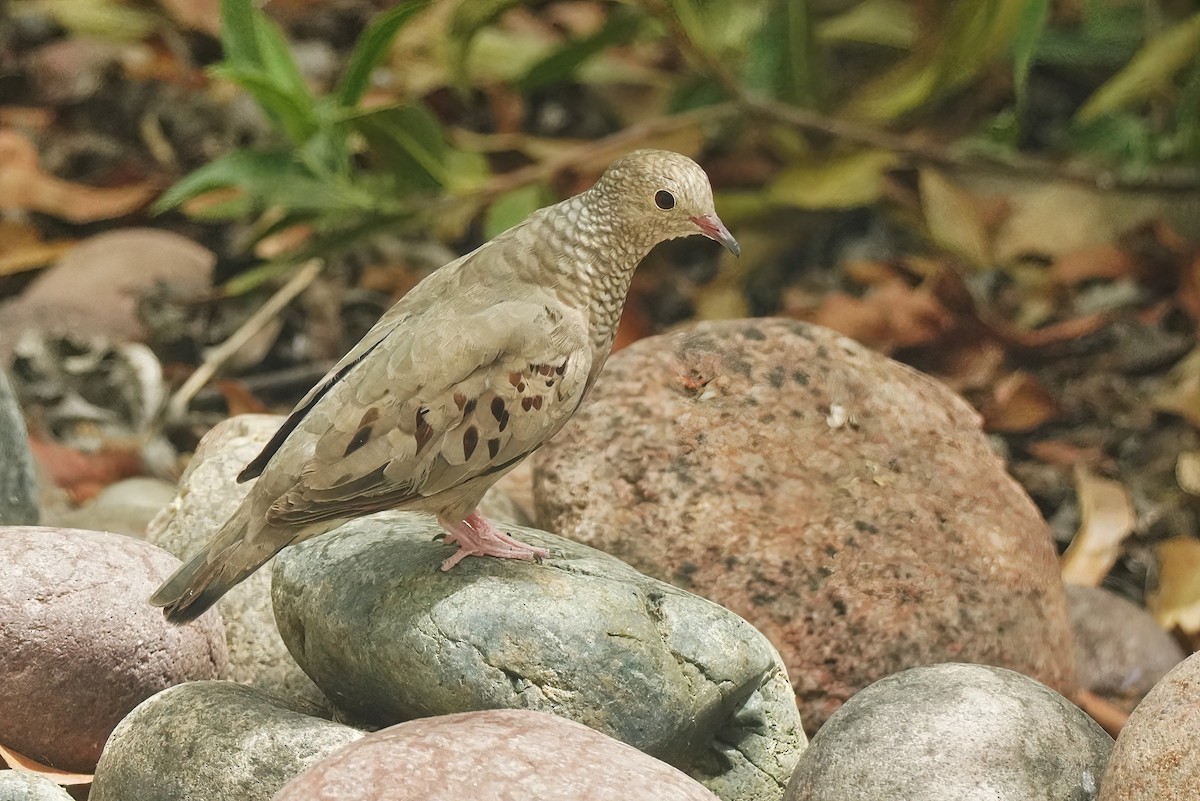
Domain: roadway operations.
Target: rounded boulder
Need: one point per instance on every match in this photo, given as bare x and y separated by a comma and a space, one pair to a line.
845, 504
1157, 755
493, 755
81, 644
954, 732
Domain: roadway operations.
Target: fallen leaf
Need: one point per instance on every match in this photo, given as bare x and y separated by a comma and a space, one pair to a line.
955, 218
840, 182
1019, 403
81, 474
60, 777
1091, 262
1065, 454
238, 398
1175, 600
22, 248
1106, 519
1180, 394
1110, 716
24, 187
1187, 472
199, 15
892, 315
1047, 335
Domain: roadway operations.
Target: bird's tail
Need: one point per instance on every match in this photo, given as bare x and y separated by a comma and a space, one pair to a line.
226, 560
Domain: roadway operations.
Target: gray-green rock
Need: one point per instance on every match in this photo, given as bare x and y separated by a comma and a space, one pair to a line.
954, 732
18, 487
390, 637
208, 494
16, 785
211, 740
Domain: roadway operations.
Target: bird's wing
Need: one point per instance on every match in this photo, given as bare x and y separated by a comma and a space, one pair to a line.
437, 402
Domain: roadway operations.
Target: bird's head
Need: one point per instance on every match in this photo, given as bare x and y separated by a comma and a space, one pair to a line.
666, 195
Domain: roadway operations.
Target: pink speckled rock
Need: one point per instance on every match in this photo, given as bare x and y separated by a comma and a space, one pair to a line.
846, 505
1157, 755
79, 645
496, 755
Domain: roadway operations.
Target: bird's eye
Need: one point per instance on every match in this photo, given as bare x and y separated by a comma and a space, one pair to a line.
664, 199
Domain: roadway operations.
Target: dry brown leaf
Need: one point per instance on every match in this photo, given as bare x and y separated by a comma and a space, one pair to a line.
24, 187
893, 315
1049, 334
1181, 393
1110, 716
60, 777
1091, 262
22, 248
955, 218
1064, 454
1175, 601
1106, 519
200, 15
238, 398
81, 474
1187, 472
1019, 403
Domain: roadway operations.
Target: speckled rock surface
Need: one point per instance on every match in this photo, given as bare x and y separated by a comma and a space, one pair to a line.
496, 755
16, 785
212, 741
208, 495
1157, 756
81, 647
954, 732
846, 505
389, 637
18, 487
1120, 649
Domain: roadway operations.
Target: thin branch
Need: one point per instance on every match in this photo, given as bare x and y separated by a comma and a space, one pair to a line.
216, 357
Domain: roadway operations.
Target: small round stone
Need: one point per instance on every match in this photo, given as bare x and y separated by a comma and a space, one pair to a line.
954, 732
81, 646
208, 740
16, 785
495, 755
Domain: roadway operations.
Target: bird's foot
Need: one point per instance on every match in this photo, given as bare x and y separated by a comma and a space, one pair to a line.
478, 536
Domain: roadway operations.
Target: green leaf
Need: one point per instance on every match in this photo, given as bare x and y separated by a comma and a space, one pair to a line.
469, 18
371, 48
238, 37
296, 117
513, 207
409, 141
888, 23
561, 65
238, 169
1030, 27
1151, 69
277, 61
841, 182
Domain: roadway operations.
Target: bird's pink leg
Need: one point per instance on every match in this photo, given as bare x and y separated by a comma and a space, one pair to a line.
478, 536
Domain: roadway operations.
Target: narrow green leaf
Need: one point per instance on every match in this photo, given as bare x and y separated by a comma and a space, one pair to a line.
513, 207
562, 64
278, 61
1030, 27
800, 78
841, 182
236, 169
469, 18
371, 48
238, 38
1153, 67
409, 141
295, 115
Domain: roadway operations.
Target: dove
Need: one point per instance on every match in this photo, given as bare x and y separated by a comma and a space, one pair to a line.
471, 371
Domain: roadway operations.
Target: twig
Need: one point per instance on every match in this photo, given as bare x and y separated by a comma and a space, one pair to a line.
217, 356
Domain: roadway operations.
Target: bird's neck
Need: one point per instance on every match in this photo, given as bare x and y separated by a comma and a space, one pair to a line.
594, 254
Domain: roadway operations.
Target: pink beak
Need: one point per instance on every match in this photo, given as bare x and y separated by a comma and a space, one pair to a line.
711, 226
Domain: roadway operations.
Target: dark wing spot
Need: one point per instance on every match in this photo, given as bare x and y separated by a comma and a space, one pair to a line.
360, 438
470, 440
460, 400
514, 378
521, 387
424, 431
493, 447
498, 409
504, 420
562, 368
537, 401
527, 403
469, 409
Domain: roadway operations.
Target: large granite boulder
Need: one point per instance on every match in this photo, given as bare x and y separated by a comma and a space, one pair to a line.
846, 505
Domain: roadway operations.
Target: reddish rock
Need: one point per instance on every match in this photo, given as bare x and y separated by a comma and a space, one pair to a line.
1157, 756
848, 506
495, 755
81, 647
